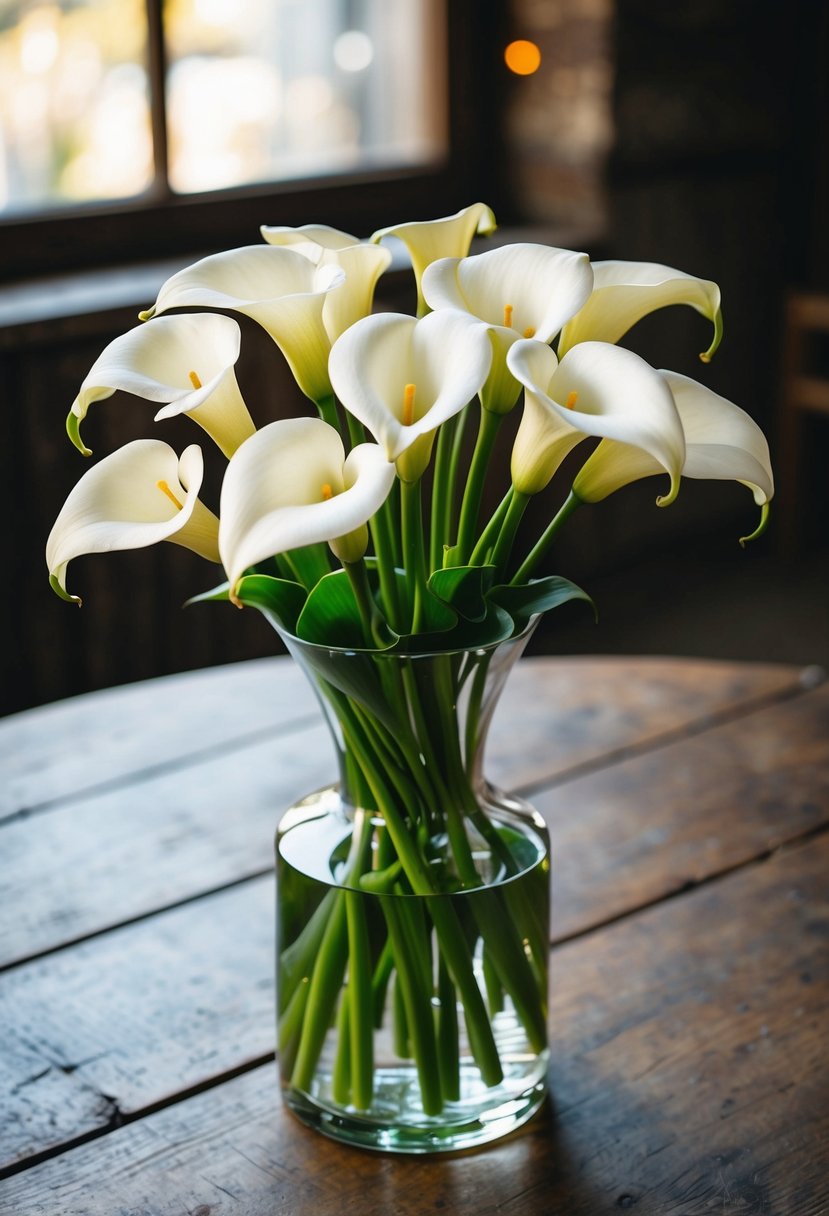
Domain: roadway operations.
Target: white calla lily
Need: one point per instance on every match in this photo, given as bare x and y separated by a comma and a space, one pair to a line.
362, 264
599, 390
137, 496
308, 238
279, 288
625, 292
187, 362
527, 291
449, 237
403, 377
291, 485
721, 443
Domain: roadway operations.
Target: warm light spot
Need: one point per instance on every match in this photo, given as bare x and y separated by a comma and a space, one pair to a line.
508, 315
529, 332
522, 57
408, 404
572, 398
326, 492
194, 380
165, 489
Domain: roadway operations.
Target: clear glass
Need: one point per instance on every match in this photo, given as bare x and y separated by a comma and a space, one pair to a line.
412, 913
74, 101
296, 88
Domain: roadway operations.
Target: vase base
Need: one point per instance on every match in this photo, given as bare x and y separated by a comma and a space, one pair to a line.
459, 1126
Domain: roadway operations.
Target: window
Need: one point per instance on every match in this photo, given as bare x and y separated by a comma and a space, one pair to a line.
146, 119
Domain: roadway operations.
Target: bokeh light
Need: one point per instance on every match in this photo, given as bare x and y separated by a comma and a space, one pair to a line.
522, 57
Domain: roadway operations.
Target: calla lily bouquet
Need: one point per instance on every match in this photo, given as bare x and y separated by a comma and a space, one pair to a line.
359, 530
305, 500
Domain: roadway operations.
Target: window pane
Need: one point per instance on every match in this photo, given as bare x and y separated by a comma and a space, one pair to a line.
292, 88
73, 102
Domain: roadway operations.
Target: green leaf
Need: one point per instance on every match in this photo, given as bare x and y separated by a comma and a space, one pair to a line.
331, 616
497, 626
539, 595
217, 594
464, 589
278, 599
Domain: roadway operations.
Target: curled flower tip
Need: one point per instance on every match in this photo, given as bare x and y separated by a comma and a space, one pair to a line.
73, 430
147, 314
761, 527
54, 583
665, 500
707, 355
233, 597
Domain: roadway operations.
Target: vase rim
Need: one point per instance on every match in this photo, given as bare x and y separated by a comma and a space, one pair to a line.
392, 653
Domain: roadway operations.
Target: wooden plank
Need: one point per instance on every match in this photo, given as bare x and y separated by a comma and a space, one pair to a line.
170, 836
688, 1076
77, 745
92, 1034
129, 851
61, 750
558, 715
665, 820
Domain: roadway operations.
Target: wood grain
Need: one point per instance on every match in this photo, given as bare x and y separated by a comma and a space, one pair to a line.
688, 1077
62, 750
656, 823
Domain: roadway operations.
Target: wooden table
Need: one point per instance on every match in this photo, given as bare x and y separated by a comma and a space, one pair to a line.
688, 804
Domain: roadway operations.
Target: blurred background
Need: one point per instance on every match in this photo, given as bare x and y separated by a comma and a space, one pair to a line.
139, 135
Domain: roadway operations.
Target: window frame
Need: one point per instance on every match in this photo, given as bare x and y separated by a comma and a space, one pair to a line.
160, 224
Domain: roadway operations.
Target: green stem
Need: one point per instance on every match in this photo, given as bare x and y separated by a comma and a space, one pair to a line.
488, 427
327, 408
525, 571
503, 545
374, 632
490, 533
417, 1002
449, 1061
381, 537
411, 527
442, 487
341, 1072
360, 1006
454, 470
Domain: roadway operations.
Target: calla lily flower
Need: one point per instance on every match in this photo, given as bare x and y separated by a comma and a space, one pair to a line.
449, 237
184, 361
625, 292
291, 485
137, 496
402, 378
527, 291
721, 442
363, 264
596, 389
282, 290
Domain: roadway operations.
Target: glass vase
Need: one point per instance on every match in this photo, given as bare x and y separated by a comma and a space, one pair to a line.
412, 912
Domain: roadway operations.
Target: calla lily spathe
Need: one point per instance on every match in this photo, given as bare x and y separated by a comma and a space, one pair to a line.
186, 362
597, 389
450, 237
625, 292
721, 443
291, 485
402, 378
362, 264
278, 287
527, 291
139, 495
